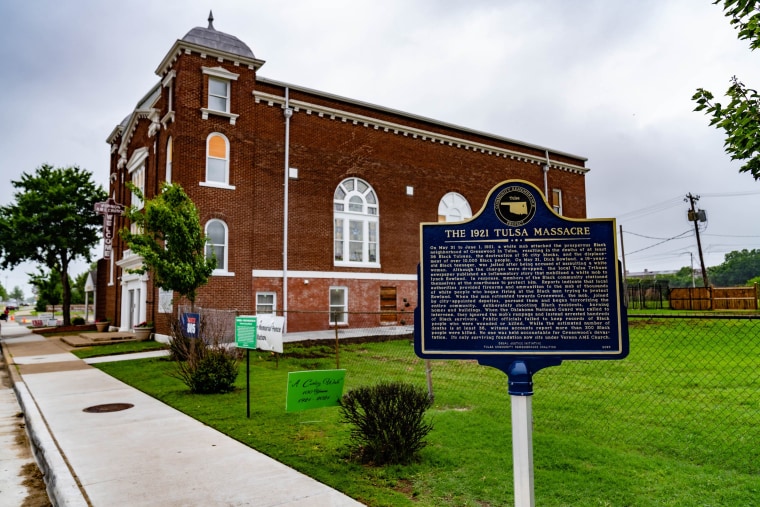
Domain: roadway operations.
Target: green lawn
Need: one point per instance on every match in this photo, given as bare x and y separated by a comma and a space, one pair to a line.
117, 348
637, 432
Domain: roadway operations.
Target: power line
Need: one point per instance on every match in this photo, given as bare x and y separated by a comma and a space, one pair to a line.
661, 242
651, 209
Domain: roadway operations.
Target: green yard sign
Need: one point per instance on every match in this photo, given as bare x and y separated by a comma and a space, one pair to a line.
314, 389
245, 332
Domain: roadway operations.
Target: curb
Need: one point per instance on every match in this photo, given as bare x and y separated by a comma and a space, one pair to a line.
62, 488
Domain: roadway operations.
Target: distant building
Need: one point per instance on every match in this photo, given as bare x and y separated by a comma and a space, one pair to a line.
649, 275
311, 202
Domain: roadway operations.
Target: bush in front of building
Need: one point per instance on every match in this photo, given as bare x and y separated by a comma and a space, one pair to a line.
388, 421
205, 364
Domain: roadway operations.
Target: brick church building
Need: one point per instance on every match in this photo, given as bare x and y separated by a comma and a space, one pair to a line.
311, 202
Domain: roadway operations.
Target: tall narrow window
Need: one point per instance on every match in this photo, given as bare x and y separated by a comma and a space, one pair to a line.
219, 100
219, 94
338, 305
217, 159
453, 207
169, 156
136, 168
216, 243
356, 224
557, 200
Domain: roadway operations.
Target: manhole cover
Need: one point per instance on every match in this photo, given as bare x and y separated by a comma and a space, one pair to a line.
108, 407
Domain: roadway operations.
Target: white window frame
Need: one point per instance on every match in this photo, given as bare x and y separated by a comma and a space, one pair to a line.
216, 183
224, 270
169, 159
453, 207
220, 75
556, 203
273, 295
342, 307
364, 221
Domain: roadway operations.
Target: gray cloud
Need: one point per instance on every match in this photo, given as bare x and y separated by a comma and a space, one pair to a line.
608, 80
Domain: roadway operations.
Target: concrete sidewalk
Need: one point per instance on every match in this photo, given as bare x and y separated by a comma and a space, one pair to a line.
143, 455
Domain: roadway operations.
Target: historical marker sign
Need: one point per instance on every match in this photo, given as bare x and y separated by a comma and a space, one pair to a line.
518, 280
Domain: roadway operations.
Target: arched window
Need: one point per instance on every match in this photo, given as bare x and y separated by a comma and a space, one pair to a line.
217, 159
356, 224
169, 156
453, 207
216, 243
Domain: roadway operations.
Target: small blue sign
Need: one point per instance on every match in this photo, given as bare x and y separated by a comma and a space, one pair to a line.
190, 323
518, 280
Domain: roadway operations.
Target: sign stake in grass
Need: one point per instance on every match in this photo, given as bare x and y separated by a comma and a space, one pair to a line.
519, 287
245, 337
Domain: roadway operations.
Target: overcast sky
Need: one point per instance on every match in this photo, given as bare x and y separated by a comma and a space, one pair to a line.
609, 80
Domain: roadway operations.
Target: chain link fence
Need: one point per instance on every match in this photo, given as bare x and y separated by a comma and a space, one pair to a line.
690, 387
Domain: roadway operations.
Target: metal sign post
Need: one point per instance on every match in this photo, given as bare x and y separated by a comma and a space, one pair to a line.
520, 288
245, 337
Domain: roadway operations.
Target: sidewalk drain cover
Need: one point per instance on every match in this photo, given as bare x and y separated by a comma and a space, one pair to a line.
107, 407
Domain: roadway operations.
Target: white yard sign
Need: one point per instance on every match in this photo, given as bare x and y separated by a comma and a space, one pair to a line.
269, 333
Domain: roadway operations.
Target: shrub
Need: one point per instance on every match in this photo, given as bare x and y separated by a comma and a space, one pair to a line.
77, 321
205, 365
388, 419
215, 372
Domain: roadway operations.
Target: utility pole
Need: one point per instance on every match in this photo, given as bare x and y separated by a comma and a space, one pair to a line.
625, 271
696, 217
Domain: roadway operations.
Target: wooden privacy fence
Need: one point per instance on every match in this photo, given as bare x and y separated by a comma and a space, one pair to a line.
714, 298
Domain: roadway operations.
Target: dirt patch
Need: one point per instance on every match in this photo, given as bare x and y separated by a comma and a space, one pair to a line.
35, 484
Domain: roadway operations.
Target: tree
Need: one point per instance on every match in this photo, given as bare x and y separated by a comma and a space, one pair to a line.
3, 293
52, 222
49, 290
737, 268
740, 119
171, 241
17, 294
77, 288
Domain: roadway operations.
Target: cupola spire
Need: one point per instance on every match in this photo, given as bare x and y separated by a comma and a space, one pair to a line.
211, 20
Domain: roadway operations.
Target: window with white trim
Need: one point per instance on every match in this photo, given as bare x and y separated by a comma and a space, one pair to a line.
356, 222
217, 159
136, 170
338, 306
453, 207
557, 200
266, 303
219, 93
169, 156
216, 244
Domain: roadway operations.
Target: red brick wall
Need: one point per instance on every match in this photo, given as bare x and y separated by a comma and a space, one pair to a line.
325, 150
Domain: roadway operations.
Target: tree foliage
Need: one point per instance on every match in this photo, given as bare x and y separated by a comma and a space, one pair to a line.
49, 289
171, 241
738, 268
17, 294
52, 222
740, 118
